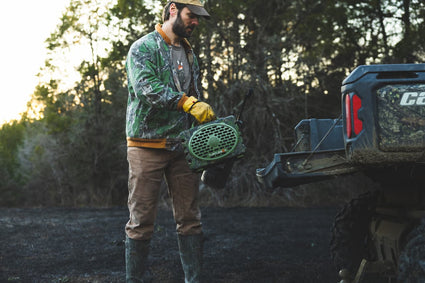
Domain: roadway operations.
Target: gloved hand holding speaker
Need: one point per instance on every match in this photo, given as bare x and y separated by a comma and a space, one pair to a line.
200, 110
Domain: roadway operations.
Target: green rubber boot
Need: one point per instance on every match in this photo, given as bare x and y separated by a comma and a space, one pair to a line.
136, 261
191, 257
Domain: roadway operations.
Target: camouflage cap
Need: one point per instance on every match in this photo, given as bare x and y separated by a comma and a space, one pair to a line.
195, 6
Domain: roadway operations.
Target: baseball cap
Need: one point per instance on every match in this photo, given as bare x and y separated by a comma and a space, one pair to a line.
195, 6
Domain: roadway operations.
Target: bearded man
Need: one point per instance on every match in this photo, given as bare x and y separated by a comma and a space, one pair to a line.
163, 100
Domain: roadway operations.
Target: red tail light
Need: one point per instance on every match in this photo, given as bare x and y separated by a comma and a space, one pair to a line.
348, 115
358, 124
353, 125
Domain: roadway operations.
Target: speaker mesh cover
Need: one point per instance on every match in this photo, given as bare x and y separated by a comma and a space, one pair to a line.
213, 141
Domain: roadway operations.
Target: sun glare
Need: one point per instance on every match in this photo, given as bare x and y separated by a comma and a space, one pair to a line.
24, 26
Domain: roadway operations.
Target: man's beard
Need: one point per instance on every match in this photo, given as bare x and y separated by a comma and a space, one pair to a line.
180, 29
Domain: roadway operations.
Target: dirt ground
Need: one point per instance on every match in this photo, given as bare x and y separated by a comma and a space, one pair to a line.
242, 245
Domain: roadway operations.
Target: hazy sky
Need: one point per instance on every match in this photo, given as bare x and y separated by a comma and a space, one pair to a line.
24, 26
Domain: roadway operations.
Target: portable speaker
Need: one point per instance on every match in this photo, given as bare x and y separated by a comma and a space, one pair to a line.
212, 143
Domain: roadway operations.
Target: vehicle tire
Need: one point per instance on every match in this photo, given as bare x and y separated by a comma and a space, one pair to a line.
412, 258
351, 240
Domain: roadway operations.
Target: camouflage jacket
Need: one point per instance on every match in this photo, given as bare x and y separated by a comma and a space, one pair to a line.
154, 116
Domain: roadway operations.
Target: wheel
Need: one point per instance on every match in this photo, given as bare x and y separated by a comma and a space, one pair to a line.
412, 258
351, 241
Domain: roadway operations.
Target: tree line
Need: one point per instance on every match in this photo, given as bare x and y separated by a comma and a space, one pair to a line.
69, 148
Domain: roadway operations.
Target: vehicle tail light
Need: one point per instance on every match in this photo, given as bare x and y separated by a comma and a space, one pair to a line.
348, 115
358, 124
353, 124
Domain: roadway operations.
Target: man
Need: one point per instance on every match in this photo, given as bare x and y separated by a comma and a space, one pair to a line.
163, 100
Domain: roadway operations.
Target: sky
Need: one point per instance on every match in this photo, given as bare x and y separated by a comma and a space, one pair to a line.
24, 26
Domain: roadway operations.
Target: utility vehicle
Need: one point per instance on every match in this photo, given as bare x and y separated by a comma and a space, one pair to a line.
379, 236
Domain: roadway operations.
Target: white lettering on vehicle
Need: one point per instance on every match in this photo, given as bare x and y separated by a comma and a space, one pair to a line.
413, 98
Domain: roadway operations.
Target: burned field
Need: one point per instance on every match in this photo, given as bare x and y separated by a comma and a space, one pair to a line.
241, 245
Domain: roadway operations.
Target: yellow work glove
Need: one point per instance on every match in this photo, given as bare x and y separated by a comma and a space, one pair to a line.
200, 110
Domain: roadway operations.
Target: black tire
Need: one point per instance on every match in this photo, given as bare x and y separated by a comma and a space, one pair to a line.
351, 241
412, 258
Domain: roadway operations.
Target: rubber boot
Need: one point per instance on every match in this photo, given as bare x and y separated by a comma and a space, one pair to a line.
190, 247
136, 261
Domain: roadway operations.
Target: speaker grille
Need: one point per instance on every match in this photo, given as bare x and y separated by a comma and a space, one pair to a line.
213, 141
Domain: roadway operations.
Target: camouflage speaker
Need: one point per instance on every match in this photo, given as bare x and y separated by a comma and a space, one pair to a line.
212, 143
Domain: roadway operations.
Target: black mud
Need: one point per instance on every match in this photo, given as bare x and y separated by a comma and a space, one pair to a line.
242, 245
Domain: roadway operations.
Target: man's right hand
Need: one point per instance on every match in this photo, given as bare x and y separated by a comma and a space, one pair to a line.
200, 110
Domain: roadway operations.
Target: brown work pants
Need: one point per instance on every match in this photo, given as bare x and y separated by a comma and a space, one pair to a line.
147, 168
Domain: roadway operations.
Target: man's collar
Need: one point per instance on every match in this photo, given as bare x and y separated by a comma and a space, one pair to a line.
158, 28
167, 40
